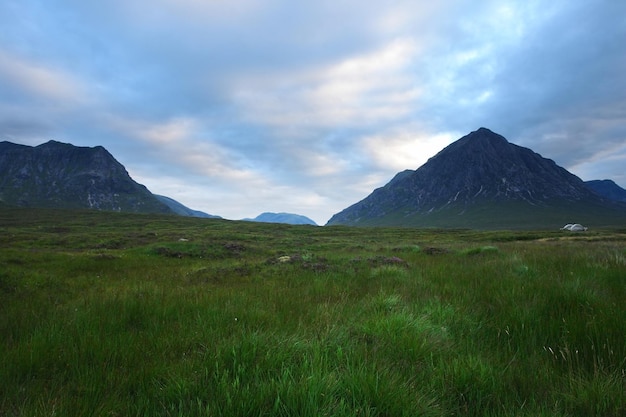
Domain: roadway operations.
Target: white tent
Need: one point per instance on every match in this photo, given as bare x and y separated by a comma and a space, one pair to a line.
574, 227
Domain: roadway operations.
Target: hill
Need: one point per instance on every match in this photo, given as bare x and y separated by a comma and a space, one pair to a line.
483, 181
183, 210
287, 218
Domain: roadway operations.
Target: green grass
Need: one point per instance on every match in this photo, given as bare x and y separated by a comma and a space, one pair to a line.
492, 215
140, 315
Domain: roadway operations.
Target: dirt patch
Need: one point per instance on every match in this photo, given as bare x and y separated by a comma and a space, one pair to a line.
436, 251
387, 260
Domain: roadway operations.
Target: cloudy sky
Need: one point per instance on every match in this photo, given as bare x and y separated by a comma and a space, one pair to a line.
236, 107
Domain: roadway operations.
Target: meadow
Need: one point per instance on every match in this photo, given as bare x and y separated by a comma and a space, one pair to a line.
108, 314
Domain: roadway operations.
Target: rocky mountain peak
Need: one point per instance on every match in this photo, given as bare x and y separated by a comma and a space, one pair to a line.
484, 164
55, 144
481, 169
482, 140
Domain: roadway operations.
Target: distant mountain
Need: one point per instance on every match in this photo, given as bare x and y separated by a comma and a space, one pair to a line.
183, 210
483, 181
608, 189
282, 218
61, 175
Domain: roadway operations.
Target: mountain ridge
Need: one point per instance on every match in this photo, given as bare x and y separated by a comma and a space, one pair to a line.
60, 175
182, 210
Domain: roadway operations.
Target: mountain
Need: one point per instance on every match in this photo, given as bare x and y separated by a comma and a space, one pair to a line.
483, 181
183, 210
607, 189
61, 175
288, 218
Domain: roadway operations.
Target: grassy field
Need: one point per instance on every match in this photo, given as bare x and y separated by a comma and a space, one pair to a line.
106, 314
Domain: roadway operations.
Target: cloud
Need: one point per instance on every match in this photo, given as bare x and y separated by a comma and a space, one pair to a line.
360, 90
39, 99
404, 148
39, 82
307, 106
166, 133
596, 167
182, 145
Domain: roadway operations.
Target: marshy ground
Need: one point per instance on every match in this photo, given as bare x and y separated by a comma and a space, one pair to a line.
137, 315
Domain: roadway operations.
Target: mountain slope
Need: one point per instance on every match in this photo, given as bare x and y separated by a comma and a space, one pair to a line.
183, 210
287, 218
482, 181
608, 189
60, 175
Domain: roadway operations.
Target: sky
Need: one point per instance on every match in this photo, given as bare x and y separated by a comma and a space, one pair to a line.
240, 107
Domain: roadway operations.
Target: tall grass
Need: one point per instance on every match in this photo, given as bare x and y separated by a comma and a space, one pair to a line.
248, 319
